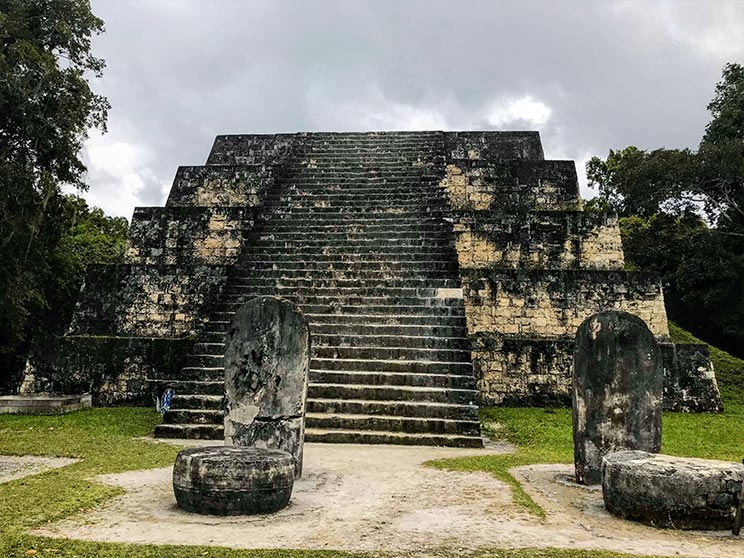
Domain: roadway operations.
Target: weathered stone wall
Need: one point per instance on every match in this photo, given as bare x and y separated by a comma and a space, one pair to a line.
689, 379
492, 146
238, 185
538, 239
529, 371
522, 371
146, 300
553, 303
511, 185
247, 149
114, 369
188, 236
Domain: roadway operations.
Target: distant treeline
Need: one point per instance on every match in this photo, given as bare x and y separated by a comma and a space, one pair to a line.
682, 215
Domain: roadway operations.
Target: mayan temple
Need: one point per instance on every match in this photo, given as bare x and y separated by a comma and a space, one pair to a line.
439, 271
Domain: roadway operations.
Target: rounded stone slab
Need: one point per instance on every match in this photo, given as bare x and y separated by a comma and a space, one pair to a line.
667, 491
223, 480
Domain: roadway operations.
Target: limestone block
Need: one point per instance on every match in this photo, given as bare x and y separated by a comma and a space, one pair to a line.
267, 355
221, 480
617, 390
674, 492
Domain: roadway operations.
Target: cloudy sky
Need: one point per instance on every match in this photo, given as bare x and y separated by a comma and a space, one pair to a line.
589, 76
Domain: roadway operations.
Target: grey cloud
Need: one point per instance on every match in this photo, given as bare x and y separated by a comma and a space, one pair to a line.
612, 73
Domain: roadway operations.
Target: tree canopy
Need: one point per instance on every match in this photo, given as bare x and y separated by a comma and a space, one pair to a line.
46, 110
683, 215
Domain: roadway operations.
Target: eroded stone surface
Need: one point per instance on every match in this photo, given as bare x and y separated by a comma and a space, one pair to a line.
267, 351
667, 491
219, 480
617, 391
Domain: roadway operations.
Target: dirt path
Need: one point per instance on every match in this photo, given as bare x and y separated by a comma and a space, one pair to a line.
13, 467
380, 498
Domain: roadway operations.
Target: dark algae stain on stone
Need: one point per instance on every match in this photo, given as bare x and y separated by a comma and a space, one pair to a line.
267, 352
617, 391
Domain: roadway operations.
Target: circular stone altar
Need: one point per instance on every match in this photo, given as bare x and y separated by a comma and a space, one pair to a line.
674, 492
227, 480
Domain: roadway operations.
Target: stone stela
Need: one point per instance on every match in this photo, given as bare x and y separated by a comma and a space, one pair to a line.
617, 391
267, 350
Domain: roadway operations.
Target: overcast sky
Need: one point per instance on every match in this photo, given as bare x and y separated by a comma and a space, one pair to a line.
589, 76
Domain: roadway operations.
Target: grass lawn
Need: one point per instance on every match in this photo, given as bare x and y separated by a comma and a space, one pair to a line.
106, 441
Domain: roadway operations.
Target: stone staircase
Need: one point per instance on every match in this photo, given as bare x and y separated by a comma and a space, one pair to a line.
357, 234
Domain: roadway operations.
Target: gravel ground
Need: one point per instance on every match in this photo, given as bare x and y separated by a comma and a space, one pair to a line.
355, 497
13, 467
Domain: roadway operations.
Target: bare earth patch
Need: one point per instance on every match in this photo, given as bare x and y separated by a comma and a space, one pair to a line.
354, 497
14, 467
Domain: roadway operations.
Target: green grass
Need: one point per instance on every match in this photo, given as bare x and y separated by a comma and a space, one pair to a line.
545, 436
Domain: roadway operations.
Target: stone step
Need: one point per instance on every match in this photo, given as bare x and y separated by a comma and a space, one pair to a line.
193, 416
387, 252
446, 381
403, 205
425, 147
425, 409
424, 150
391, 423
253, 264
409, 341
422, 243
350, 269
389, 319
197, 380
210, 336
385, 192
356, 305
360, 210
309, 300
311, 231
337, 286
360, 176
204, 347
364, 328
390, 159
410, 157
298, 218
205, 360
425, 315
391, 393
393, 189
190, 431
398, 438
383, 365
392, 353
323, 241
351, 146
334, 260
182, 401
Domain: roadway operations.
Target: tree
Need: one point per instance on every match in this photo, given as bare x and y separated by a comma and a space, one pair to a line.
46, 110
682, 214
